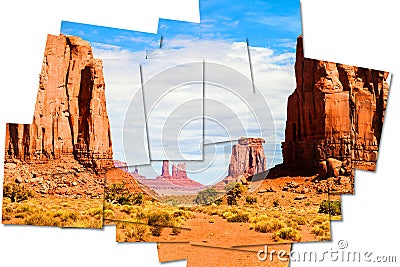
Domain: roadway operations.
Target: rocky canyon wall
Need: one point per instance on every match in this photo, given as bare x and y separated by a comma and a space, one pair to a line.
336, 111
70, 117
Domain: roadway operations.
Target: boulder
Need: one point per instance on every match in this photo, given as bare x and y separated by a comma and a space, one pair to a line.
333, 167
322, 169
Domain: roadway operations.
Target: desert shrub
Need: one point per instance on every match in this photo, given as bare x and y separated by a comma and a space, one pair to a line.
260, 218
239, 217
300, 220
117, 193
251, 200
156, 230
95, 211
137, 198
206, 196
137, 232
41, 220
24, 208
292, 224
330, 207
184, 214
235, 193
320, 219
287, 233
227, 214
16, 192
66, 215
268, 226
322, 231
159, 218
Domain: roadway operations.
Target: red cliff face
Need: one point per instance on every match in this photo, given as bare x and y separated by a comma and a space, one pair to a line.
336, 111
70, 117
247, 157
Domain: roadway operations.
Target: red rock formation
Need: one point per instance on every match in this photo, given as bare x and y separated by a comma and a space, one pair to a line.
336, 111
165, 169
176, 184
174, 170
247, 157
70, 116
180, 171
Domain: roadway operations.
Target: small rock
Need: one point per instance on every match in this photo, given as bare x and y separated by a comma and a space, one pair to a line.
74, 183
301, 197
19, 179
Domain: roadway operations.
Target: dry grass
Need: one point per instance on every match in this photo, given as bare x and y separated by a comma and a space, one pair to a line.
80, 213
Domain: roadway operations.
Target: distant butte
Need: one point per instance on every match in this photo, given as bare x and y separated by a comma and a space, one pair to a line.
177, 183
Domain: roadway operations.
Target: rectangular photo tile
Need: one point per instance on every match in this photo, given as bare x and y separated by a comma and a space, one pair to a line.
54, 167
173, 100
283, 208
134, 194
209, 256
124, 98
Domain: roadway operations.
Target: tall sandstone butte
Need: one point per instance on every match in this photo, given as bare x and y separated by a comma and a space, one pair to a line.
70, 117
248, 158
336, 111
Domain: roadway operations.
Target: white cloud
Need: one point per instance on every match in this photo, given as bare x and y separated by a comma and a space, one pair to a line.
273, 75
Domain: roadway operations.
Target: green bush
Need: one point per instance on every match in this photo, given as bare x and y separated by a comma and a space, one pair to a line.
251, 200
159, 219
156, 230
235, 193
287, 233
239, 217
117, 193
16, 192
206, 196
330, 207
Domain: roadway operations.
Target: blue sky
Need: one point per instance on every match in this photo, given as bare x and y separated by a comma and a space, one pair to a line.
274, 24
271, 28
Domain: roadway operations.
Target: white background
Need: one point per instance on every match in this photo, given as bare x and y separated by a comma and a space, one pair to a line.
356, 32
